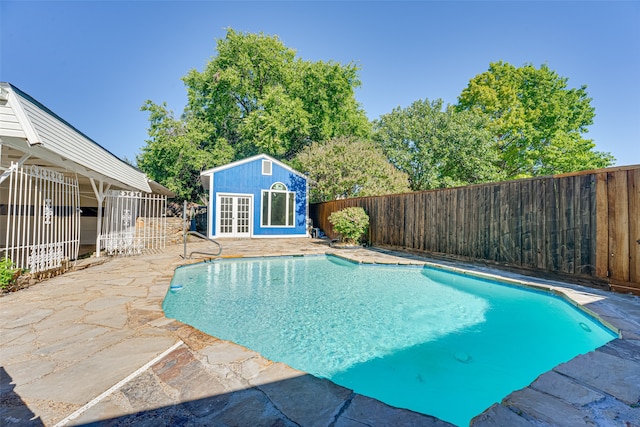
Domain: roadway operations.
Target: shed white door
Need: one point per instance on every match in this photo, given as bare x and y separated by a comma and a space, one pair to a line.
233, 215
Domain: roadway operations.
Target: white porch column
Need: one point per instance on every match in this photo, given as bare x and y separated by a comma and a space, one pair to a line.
100, 193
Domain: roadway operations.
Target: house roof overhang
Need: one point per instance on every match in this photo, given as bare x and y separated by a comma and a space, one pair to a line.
52, 142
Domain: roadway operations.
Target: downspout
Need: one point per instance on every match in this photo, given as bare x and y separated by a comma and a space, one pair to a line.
211, 227
306, 221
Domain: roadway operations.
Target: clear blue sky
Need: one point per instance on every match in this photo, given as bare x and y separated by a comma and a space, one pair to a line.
94, 63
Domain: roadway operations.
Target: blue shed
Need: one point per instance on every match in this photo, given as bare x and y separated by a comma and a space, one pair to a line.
256, 197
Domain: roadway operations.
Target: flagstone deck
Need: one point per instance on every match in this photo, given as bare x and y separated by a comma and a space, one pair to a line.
93, 347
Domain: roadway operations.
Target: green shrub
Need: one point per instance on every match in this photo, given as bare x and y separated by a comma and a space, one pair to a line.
7, 272
351, 223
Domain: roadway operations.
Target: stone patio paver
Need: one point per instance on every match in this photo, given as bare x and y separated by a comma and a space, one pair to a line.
546, 408
500, 415
70, 339
563, 387
613, 375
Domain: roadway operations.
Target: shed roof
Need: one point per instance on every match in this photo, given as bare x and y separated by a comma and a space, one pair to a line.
53, 139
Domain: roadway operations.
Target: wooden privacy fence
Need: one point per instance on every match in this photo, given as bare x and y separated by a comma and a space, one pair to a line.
585, 225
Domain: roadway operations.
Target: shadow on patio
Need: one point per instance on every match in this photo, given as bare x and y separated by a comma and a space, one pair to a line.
180, 390
13, 410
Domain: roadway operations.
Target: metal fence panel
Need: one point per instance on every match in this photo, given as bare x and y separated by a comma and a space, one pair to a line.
43, 218
134, 223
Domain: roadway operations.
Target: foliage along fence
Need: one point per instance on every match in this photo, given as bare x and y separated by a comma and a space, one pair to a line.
584, 225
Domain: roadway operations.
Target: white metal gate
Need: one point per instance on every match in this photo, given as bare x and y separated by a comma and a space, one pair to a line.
42, 218
234, 216
133, 223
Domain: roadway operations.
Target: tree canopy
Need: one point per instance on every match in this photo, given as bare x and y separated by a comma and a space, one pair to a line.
438, 147
345, 167
255, 96
537, 121
261, 98
178, 150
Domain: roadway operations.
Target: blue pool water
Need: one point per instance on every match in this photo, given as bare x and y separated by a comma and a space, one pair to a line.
432, 341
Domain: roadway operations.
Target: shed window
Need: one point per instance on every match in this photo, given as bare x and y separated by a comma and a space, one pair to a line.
266, 167
278, 206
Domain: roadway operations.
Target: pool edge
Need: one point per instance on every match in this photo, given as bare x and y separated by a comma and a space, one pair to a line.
568, 292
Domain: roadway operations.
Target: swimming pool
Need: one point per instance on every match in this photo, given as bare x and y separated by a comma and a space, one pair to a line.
425, 339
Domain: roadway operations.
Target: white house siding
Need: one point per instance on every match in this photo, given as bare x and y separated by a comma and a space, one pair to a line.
58, 137
9, 125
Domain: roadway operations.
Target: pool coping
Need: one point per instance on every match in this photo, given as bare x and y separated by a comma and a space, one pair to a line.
601, 387
511, 410
606, 404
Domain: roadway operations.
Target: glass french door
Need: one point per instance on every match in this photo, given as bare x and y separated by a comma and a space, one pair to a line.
233, 216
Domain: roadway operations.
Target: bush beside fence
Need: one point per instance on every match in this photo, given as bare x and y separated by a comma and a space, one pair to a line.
585, 225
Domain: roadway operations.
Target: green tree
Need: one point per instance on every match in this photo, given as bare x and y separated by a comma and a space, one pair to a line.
253, 97
178, 150
538, 122
262, 99
346, 167
327, 92
438, 147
